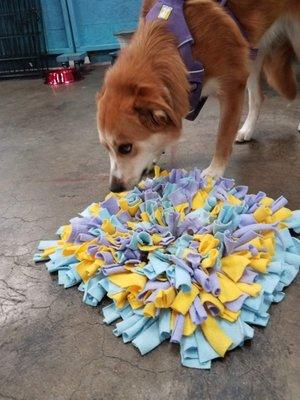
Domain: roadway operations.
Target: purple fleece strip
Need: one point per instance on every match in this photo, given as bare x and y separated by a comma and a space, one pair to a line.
197, 312
279, 203
178, 329
167, 240
247, 237
132, 261
203, 279
153, 285
255, 227
247, 247
132, 254
76, 231
177, 197
121, 243
175, 175
237, 304
212, 308
103, 241
230, 242
240, 192
113, 270
253, 208
221, 194
124, 217
84, 237
150, 195
247, 219
225, 183
190, 190
173, 222
92, 249
94, 222
248, 276
190, 225
181, 264
194, 259
194, 244
152, 296
111, 205
106, 257
214, 284
206, 229
254, 199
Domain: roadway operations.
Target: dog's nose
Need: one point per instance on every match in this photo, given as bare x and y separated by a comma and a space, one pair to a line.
117, 185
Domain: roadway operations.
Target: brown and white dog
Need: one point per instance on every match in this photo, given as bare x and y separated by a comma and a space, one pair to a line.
145, 94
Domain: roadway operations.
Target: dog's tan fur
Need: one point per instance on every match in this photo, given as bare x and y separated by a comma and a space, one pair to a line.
145, 94
279, 72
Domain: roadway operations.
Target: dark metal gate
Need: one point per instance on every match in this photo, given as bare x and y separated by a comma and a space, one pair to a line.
22, 46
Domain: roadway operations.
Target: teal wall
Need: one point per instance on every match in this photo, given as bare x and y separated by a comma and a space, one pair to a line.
58, 35
86, 25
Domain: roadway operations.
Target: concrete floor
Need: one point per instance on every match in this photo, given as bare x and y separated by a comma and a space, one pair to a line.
54, 347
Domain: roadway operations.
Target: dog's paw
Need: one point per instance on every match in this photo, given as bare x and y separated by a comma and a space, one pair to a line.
214, 172
244, 135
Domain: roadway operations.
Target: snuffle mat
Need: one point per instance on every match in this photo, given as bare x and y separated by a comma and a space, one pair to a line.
182, 258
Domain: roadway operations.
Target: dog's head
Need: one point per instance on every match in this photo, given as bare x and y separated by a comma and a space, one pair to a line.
136, 123
142, 103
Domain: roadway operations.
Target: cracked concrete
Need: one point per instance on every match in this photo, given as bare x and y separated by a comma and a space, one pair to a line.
52, 346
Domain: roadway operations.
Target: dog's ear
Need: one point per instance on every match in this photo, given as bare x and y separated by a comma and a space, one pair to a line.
154, 108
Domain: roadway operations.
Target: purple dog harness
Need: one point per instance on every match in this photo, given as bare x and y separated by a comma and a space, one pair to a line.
172, 12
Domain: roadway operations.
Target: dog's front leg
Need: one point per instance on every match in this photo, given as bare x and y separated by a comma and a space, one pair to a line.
231, 105
255, 95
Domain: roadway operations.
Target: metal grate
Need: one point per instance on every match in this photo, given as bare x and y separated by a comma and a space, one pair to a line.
22, 46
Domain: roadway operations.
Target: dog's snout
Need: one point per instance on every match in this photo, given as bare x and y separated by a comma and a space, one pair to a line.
117, 185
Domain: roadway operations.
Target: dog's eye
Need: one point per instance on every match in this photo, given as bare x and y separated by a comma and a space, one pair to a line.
125, 148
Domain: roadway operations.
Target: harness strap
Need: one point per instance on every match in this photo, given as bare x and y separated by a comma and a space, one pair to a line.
172, 12
252, 50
